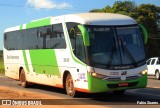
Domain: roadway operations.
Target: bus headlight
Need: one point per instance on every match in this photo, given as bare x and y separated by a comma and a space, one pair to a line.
100, 76
92, 72
144, 72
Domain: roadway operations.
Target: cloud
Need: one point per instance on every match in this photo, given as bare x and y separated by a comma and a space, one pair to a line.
47, 4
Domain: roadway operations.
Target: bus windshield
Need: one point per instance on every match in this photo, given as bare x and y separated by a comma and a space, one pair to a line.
115, 47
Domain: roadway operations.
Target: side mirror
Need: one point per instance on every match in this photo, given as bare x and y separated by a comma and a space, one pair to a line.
85, 35
144, 33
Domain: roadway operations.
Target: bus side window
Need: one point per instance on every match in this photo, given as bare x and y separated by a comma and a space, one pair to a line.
48, 36
72, 38
5, 37
32, 38
58, 39
5, 41
44, 36
71, 32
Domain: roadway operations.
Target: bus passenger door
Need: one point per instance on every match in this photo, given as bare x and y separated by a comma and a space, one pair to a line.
79, 52
78, 57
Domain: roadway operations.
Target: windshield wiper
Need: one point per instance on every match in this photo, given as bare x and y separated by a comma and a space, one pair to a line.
122, 46
101, 65
133, 61
111, 57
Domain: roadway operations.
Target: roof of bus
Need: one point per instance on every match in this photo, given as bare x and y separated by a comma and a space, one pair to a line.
100, 19
82, 18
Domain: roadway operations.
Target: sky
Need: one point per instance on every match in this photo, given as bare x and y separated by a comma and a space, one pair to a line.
16, 12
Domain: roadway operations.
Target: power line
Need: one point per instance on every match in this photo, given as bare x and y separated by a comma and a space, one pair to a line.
26, 6
9, 5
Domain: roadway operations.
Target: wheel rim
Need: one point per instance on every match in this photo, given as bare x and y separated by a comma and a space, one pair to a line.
70, 86
22, 79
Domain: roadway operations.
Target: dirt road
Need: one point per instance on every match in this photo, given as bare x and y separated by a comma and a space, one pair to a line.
11, 93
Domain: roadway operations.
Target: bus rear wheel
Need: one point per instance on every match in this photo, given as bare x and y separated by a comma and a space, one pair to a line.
70, 86
23, 81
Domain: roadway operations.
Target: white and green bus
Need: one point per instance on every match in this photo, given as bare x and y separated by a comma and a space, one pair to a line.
88, 52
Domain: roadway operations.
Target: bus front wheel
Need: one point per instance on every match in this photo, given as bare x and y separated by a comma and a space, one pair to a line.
23, 79
70, 86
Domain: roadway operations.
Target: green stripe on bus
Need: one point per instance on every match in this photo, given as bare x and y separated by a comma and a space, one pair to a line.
21, 27
144, 33
38, 23
85, 35
44, 62
25, 60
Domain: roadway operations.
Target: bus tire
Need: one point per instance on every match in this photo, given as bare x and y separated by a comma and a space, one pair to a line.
23, 81
157, 75
119, 92
69, 85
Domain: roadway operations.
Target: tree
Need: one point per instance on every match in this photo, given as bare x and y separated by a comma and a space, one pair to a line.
118, 7
94, 10
124, 7
147, 14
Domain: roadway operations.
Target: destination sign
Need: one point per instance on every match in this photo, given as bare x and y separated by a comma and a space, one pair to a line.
98, 29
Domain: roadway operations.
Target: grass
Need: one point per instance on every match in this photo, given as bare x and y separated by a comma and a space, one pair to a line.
1, 63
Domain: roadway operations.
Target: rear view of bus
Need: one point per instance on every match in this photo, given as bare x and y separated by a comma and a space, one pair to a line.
112, 48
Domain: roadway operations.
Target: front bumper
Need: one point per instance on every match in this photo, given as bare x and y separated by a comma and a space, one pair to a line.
96, 85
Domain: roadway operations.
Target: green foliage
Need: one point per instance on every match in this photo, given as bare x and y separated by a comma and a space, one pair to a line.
152, 47
147, 14
108, 9
95, 10
124, 7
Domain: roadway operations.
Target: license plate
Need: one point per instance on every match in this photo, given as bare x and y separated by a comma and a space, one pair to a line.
123, 84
